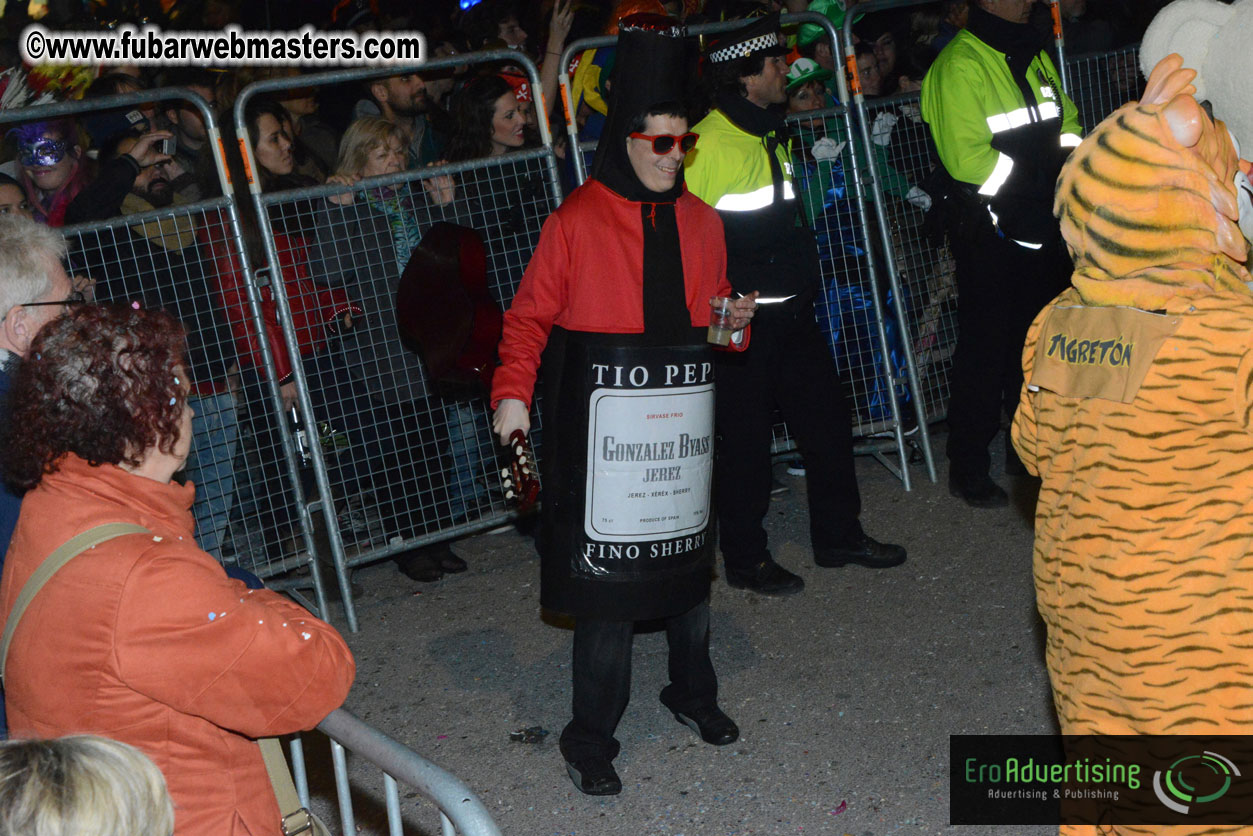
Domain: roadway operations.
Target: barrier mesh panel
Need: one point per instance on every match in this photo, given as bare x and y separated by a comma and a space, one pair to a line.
828, 190
1100, 84
406, 458
904, 155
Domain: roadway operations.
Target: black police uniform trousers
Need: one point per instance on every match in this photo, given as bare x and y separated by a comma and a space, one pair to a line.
788, 365
1001, 286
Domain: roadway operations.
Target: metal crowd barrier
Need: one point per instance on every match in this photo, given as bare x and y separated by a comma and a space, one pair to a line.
190, 260
460, 809
399, 463
264, 505
833, 201
871, 344
924, 273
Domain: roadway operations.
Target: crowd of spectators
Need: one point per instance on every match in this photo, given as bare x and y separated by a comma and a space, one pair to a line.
406, 455
468, 111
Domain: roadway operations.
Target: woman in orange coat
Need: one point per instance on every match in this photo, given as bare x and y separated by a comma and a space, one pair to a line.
143, 638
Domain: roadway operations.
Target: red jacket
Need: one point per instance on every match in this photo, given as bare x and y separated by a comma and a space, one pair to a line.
316, 310
145, 640
587, 274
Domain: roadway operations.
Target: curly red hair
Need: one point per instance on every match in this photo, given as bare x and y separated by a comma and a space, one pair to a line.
100, 382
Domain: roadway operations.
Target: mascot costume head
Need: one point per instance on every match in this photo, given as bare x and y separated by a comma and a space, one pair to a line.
1156, 202
1212, 38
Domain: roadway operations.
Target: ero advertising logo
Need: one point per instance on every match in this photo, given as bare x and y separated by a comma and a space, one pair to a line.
1194, 780
1133, 780
1027, 778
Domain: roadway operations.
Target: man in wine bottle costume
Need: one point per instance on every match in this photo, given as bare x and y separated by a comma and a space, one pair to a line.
617, 298
743, 169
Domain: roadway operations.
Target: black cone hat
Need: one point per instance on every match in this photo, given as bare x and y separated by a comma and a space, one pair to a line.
648, 70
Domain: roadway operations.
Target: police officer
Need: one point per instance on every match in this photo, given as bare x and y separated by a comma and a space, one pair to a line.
742, 168
1003, 127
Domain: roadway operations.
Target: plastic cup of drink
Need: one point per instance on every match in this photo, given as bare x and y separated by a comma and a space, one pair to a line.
720, 322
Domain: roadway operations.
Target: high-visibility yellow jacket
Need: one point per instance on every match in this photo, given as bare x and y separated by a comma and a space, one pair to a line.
767, 248
969, 97
730, 170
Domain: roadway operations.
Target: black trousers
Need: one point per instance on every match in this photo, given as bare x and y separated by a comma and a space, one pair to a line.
602, 678
396, 450
335, 400
788, 365
1001, 286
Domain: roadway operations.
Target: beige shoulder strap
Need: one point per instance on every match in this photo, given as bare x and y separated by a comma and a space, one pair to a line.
68, 550
296, 817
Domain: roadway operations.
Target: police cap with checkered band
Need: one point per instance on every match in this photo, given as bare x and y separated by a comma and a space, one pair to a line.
761, 37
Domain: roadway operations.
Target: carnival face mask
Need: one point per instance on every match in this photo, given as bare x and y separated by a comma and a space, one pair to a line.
41, 152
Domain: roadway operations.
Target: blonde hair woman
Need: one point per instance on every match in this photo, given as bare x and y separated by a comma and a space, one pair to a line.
81, 786
364, 240
373, 146
367, 137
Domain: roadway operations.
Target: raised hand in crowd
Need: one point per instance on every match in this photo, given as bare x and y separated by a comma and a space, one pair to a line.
559, 26
85, 285
558, 31
343, 198
287, 391
147, 150
173, 169
441, 188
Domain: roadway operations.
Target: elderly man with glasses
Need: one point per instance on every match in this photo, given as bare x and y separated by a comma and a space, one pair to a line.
34, 288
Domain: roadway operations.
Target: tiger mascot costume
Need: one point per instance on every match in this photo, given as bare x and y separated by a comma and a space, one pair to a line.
1137, 415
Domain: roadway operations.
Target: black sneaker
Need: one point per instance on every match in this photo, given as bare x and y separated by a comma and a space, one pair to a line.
978, 491
594, 776
766, 578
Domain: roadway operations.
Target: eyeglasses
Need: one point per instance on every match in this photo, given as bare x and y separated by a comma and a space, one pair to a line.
75, 298
664, 143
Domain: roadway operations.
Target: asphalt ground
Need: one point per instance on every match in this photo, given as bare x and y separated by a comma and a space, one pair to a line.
845, 694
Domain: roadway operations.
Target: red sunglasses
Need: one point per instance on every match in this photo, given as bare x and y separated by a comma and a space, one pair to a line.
664, 143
